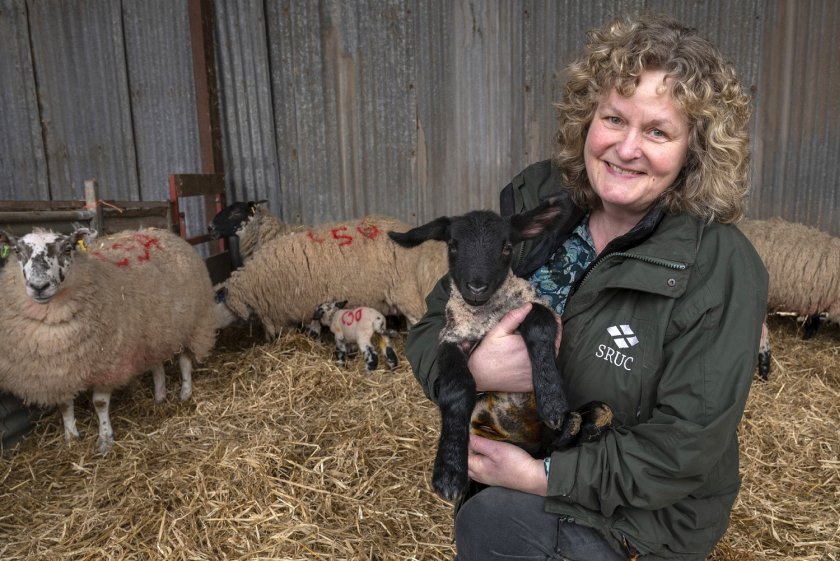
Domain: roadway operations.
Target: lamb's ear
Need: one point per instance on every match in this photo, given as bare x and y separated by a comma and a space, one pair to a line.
533, 223
437, 229
81, 238
6, 239
341, 305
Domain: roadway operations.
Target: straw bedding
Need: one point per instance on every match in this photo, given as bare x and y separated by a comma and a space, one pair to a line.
282, 455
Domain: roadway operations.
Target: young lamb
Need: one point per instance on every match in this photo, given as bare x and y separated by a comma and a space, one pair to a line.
252, 223
84, 315
291, 275
483, 290
804, 268
356, 326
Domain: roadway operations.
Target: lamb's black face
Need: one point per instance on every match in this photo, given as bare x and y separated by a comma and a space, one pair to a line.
230, 220
480, 244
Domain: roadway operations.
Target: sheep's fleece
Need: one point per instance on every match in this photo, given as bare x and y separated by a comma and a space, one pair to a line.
803, 263
129, 303
290, 276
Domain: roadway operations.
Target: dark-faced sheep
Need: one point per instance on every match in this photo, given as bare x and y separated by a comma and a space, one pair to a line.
251, 222
356, 326
483, 290
355, 260
84, 315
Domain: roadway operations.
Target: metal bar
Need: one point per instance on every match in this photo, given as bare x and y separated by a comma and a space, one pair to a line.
46, 216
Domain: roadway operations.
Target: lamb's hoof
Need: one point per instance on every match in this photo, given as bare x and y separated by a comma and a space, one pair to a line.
104, 444
186, 393
160, 397
371, 360
553, 413
449, 482
391, 358
595, 418
764, 365
70, 434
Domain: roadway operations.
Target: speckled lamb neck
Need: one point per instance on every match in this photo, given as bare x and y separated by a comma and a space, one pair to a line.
470, 323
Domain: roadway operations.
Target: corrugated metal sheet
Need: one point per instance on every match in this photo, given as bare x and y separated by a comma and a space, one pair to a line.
412, 108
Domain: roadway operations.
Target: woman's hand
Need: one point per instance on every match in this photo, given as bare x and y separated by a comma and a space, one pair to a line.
506, 465
501, 362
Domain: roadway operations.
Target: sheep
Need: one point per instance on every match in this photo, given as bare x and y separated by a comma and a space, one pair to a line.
84, 315
291, 275
252, 223
356, 326
804, 268
483, 290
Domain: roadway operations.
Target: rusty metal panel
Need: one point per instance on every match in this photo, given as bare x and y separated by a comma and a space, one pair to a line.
23, 168
161, 93
79, 59
798, 141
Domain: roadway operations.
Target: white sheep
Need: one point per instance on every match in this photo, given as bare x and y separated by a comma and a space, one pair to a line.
84, 315
356, 326
355, 260
804, 268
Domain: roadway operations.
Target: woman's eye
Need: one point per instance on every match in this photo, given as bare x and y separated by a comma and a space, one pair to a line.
613, 120
656, 133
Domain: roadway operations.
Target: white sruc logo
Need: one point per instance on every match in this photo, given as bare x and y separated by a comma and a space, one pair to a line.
623, 336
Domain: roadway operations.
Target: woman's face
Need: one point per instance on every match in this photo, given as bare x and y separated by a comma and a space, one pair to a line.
636, 146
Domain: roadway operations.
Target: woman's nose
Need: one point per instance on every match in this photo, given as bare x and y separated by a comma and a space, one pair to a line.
629, 147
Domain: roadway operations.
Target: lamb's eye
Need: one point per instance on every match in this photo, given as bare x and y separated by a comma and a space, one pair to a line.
453, 247
506, 249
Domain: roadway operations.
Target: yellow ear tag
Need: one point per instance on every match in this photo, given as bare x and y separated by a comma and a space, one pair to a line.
82, 246
4, 251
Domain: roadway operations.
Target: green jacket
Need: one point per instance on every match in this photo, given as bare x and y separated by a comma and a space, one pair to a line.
664, 327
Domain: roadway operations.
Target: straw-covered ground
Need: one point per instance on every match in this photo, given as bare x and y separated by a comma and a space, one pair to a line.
282, 455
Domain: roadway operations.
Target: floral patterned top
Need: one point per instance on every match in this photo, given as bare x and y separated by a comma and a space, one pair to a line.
554, 280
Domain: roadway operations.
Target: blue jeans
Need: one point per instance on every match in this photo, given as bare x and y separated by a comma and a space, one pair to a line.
499, 523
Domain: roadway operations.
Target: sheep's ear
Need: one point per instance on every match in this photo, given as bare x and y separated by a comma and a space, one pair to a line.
81, 238
6, 239
437, 229
254, 205
533, 223
341, 305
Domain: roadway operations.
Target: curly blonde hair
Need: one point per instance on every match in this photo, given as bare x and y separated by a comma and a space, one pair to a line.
713, 184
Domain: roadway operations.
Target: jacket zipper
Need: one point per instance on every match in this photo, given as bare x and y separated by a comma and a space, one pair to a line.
676, 265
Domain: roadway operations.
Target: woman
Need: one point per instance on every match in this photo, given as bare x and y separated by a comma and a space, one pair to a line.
661, 300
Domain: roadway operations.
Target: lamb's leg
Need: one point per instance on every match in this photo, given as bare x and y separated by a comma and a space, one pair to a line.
102, 402
370, 354
159, 377
186, 376
539, 330
69, 417
456, 399
764, 353
390, 355
340, 351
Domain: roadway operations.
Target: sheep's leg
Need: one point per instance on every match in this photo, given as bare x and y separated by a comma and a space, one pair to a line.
456, 399
159, 377
539, 330
764, 353
102, 403
68, 415
340, 351
370, 354
186, 376
811, 326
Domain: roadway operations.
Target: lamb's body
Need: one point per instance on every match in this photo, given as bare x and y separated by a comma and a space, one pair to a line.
291, 275
356, 326
129, 304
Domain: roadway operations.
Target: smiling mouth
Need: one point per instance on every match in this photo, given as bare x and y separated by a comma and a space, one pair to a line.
622, 171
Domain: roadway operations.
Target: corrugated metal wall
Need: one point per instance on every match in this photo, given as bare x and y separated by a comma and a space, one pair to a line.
412, 108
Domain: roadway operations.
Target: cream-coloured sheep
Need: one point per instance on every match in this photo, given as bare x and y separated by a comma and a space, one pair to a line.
356, 326
84, 315
804, 268
356, 261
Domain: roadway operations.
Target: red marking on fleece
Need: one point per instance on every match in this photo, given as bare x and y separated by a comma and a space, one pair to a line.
370, 231
351, 316
345, 239
140, 245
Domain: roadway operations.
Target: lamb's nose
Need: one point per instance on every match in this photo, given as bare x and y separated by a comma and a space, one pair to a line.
477, 288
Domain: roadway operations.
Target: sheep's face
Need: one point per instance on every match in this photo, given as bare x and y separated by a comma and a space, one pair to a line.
480, 245
325, 312
45, 258
231, 220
